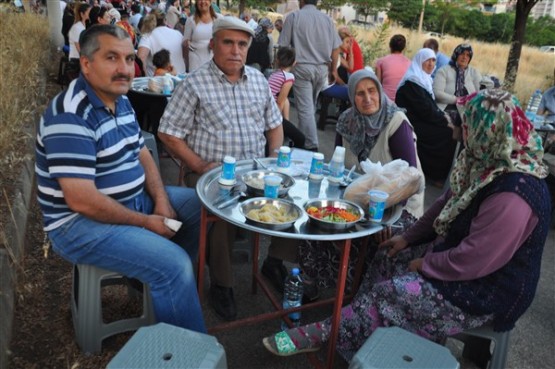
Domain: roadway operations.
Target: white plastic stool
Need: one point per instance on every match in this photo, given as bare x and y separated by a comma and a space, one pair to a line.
86, 307
501, 344
397, 348
169, 347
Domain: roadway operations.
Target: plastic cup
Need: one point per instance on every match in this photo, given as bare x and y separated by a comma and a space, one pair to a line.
376, 205
271, 186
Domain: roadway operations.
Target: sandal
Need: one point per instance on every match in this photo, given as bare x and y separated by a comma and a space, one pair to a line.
280, 344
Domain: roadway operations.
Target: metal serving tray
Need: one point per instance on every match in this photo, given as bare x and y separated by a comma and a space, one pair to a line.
209, 190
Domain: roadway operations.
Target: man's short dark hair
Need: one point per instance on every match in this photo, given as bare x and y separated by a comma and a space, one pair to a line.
432, 43
285, 57
397, 43
311, 2
88, 40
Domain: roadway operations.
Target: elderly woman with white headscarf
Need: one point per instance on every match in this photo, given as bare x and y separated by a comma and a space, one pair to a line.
378, 130
433, 127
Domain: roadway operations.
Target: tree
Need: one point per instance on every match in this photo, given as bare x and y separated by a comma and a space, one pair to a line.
405, 12
523, 8
368, 7
329, 5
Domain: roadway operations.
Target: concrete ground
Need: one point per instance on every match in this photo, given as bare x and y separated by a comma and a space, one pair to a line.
532, 342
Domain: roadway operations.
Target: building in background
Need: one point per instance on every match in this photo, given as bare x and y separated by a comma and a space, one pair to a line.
543, 8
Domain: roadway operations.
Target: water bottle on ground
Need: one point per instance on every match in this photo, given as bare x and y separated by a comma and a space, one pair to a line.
533, 105
293, 296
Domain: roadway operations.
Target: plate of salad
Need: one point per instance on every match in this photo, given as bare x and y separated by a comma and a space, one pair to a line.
333, 214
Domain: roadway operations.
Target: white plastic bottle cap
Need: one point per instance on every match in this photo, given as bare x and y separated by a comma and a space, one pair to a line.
229, 159
285, 149
318, 156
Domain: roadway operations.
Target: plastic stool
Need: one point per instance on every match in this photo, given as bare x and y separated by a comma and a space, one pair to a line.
501, 344
150, 143
86, 307
394, 347
169, 347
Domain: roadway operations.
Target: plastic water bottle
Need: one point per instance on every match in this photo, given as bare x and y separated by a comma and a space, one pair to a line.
167, 86
337, 165
293, 296
533, 105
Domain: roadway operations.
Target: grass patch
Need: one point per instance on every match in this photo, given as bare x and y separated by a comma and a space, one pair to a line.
25, 50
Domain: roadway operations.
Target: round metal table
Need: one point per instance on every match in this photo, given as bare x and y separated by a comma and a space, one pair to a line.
209, 190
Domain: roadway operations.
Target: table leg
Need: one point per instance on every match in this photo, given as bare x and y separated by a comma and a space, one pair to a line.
255, 253
202, 250
339, 294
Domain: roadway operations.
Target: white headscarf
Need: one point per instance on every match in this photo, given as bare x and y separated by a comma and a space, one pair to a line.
416, 74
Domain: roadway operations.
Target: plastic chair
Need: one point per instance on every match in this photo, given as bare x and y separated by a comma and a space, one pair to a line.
86, 307
150, 143
500, 349
394, 347
169, 347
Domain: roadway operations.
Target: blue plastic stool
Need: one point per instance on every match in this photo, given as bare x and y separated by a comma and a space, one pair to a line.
397, 348
165, 346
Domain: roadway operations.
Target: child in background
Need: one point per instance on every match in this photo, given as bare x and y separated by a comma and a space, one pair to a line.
161, 61
280, 83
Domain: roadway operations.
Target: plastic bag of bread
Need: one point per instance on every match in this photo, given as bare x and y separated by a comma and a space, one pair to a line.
396, 178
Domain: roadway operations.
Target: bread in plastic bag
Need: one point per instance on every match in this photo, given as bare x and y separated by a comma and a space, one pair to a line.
397, 178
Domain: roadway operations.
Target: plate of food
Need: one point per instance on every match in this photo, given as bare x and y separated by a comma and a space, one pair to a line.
275, 214
254, 180
333, 214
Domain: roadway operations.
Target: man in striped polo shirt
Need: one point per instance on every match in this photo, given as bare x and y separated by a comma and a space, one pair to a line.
99, 189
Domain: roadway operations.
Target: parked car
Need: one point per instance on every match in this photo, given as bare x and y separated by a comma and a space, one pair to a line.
435, 35
356, 22
548, 49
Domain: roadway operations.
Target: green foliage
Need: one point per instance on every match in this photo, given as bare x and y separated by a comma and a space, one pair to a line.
368, 7
405, 12
501, 28
463, 19
541, 31
378, 48
328, 5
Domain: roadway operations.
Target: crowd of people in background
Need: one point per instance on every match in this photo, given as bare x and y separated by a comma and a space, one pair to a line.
238, 82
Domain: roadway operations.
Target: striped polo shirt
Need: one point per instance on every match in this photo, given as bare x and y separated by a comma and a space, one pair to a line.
79, 137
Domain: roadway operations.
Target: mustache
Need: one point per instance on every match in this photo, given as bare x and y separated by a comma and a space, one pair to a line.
121, 76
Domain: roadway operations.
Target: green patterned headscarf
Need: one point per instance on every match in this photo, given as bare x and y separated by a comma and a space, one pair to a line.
499, 139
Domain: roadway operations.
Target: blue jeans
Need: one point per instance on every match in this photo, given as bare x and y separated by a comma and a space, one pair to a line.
139, 253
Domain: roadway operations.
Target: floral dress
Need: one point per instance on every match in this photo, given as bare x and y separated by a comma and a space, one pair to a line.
389, 296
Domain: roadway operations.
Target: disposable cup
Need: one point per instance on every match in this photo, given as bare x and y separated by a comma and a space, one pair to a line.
376, 205
271, 186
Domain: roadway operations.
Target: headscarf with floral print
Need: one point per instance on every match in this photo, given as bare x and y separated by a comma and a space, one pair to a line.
499, 139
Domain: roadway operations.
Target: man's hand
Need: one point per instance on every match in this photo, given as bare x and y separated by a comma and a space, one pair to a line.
164, 209
155, 223
395, 243
205, 166
416, 265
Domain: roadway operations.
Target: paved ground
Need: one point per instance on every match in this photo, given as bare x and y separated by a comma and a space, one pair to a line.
532, 341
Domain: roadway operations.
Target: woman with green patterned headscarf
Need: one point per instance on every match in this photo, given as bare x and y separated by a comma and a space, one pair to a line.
472, 259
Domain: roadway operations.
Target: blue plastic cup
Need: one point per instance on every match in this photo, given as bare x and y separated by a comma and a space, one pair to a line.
271, 186
376, 205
